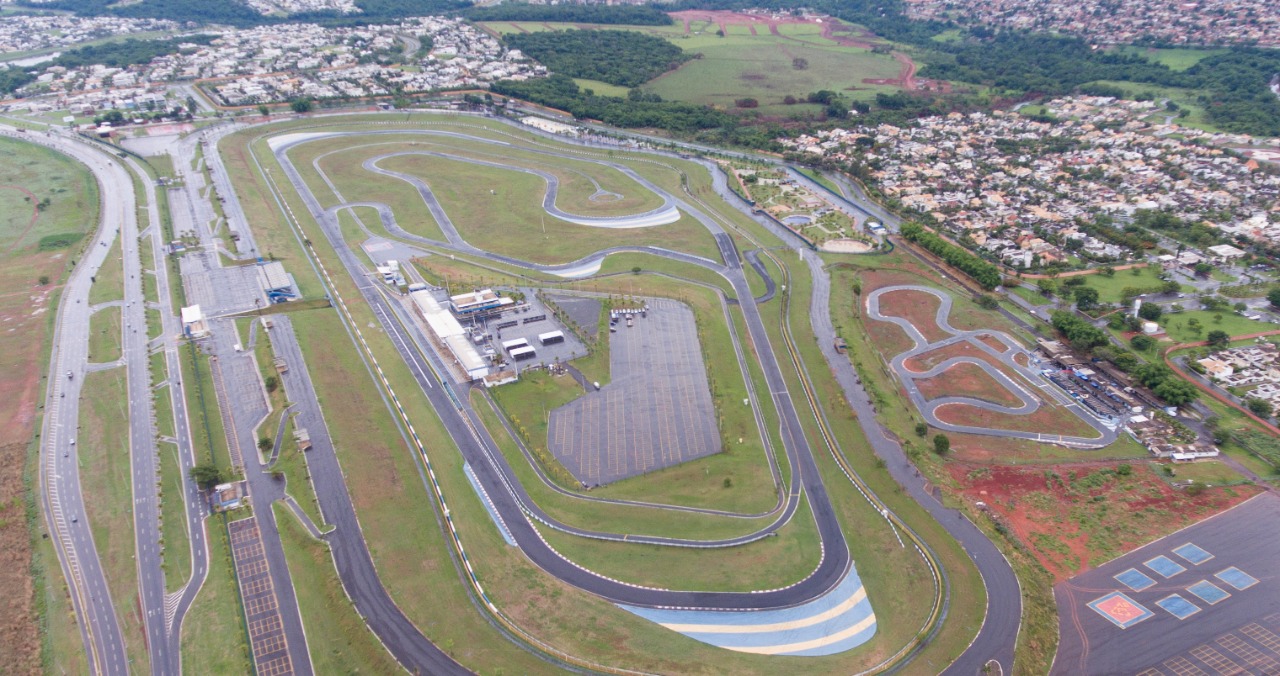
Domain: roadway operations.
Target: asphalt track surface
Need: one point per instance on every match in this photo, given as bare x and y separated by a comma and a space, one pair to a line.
995, 640
512, 502
928, 407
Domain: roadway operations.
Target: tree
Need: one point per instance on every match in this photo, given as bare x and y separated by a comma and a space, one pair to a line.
1150, 312
1194, 326
1203, 269
1086, 297
1273, 297
988, 302
301, 106
1142, 343
1107, 271
1260, 407
265, 444
746, 103
922, 430
1046, 286
206, 476
1176, 391
1218, 339
941, 444
271, 383
799, 63
44, 280
263, 110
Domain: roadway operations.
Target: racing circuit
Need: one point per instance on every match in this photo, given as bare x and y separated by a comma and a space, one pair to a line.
834, 573
1029, 401
825, 612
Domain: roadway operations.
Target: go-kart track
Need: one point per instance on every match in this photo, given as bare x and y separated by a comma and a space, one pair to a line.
1029, 402
825, 612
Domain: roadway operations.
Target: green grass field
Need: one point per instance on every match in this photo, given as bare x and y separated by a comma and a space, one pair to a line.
173, 515
213, 633
108, 284
759, 66
1110, 289
1187, 99
104, 335
103, 453
1175, 59
1178, 326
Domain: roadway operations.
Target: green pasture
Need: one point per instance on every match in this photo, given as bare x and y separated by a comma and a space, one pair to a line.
1180, 58
742, 65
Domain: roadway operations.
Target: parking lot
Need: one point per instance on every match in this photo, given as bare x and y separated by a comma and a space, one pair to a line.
529, 322
1200, 602
656, 412
219, 290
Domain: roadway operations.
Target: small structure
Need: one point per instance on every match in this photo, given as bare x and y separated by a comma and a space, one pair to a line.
522, 353
193, 323
275, 281
302, 438
477, 302
550, 126
551, 337
1224, 253
227, 496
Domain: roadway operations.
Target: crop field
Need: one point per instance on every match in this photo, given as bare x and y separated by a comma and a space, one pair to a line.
385, 481
757, 59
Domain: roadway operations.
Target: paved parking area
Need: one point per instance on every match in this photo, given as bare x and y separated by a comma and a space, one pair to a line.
581, 310
1200, 602
219, 290
656, 412
261, 607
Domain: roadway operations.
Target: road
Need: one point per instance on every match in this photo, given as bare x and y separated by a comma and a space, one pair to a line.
59, 463
162, 613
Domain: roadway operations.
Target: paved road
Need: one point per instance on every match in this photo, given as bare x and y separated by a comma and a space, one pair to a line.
59, 465
1029, 402
350, 554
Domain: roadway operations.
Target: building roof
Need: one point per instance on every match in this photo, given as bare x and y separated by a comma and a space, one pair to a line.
191, 314
1225, 250
272, 276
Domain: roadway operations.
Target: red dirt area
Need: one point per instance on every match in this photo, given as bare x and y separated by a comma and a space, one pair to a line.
927, 360
966, 380
1075, 517
1021, 359
24, 318
1049, 419
917, 307
994, 344
889, 339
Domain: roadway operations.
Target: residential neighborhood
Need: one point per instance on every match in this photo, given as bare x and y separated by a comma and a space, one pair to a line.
1025, 187
286, 61
1244, 22
55, 31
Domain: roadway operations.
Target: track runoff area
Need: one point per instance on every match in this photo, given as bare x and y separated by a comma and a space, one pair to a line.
828, 610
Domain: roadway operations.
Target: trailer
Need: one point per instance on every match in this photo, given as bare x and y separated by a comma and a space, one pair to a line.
522, 353
551, 337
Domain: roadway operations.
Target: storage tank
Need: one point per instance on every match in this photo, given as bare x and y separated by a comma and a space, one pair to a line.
1150, 328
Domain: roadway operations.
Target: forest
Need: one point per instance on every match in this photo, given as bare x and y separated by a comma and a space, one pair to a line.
624, 58
561, 92
616, 15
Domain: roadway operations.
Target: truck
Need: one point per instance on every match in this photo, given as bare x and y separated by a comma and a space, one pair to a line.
281, 366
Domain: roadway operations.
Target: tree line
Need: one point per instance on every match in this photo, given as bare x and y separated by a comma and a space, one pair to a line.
624, 58
983, 272
625, 15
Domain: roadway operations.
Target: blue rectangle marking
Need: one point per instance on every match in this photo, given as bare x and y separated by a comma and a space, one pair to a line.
1164, 565
1237, 578
1135, 579
1208, 592
1178, 606
1193, 554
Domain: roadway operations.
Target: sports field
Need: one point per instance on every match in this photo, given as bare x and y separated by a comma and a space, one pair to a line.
757, 57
